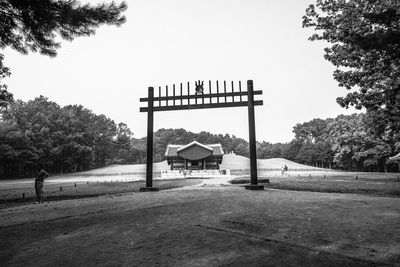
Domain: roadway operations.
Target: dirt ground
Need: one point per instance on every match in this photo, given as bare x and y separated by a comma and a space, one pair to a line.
204, 225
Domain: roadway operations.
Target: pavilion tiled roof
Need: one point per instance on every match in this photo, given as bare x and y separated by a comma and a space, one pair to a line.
217, 149
172, 150
194, 143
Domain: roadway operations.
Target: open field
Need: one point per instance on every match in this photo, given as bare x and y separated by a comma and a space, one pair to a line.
129, 178
379, 184
64, 187
120, 179
230, 161
61, 191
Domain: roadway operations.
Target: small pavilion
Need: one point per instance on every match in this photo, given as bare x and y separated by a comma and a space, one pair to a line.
194, 156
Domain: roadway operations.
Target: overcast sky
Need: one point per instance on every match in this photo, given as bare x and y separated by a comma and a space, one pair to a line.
166, 42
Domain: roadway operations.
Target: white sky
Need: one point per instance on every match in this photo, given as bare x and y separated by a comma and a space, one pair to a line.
166, 42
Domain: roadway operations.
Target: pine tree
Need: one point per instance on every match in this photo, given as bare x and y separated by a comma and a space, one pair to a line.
35, 25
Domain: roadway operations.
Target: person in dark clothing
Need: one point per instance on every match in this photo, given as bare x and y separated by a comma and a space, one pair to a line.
284, 169
41, 175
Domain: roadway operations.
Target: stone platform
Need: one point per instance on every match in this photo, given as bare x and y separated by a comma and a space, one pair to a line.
203, 174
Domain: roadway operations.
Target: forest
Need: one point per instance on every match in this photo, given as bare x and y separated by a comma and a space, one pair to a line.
362, 39
72, 138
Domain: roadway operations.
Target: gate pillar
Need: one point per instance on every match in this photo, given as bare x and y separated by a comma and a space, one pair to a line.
149, 157
252, 140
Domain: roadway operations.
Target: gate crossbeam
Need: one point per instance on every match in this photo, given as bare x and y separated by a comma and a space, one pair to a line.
163, 104
202, 106
205, 96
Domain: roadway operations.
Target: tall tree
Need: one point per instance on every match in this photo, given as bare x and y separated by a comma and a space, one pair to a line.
35, 25
291, 149
307, 153
311, 131
365, 38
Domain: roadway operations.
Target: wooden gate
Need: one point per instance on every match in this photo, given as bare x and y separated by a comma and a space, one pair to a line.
221, 96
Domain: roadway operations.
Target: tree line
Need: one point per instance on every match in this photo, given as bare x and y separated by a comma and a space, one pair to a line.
348, 142
61, 139
73, 138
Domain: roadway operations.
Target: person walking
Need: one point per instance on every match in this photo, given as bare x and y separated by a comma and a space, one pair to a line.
39, 180
284, 169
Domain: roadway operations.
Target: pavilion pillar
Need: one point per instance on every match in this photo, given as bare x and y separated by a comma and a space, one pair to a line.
149, 159
252, 140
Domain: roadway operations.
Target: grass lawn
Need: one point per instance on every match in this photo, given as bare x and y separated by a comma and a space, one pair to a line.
378, 184
81, 190
333, 182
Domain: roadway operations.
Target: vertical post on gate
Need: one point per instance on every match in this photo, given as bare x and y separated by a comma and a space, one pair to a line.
252, 140
149, 159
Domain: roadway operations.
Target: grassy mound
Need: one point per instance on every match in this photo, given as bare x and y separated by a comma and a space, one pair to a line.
236, 162
232, 162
